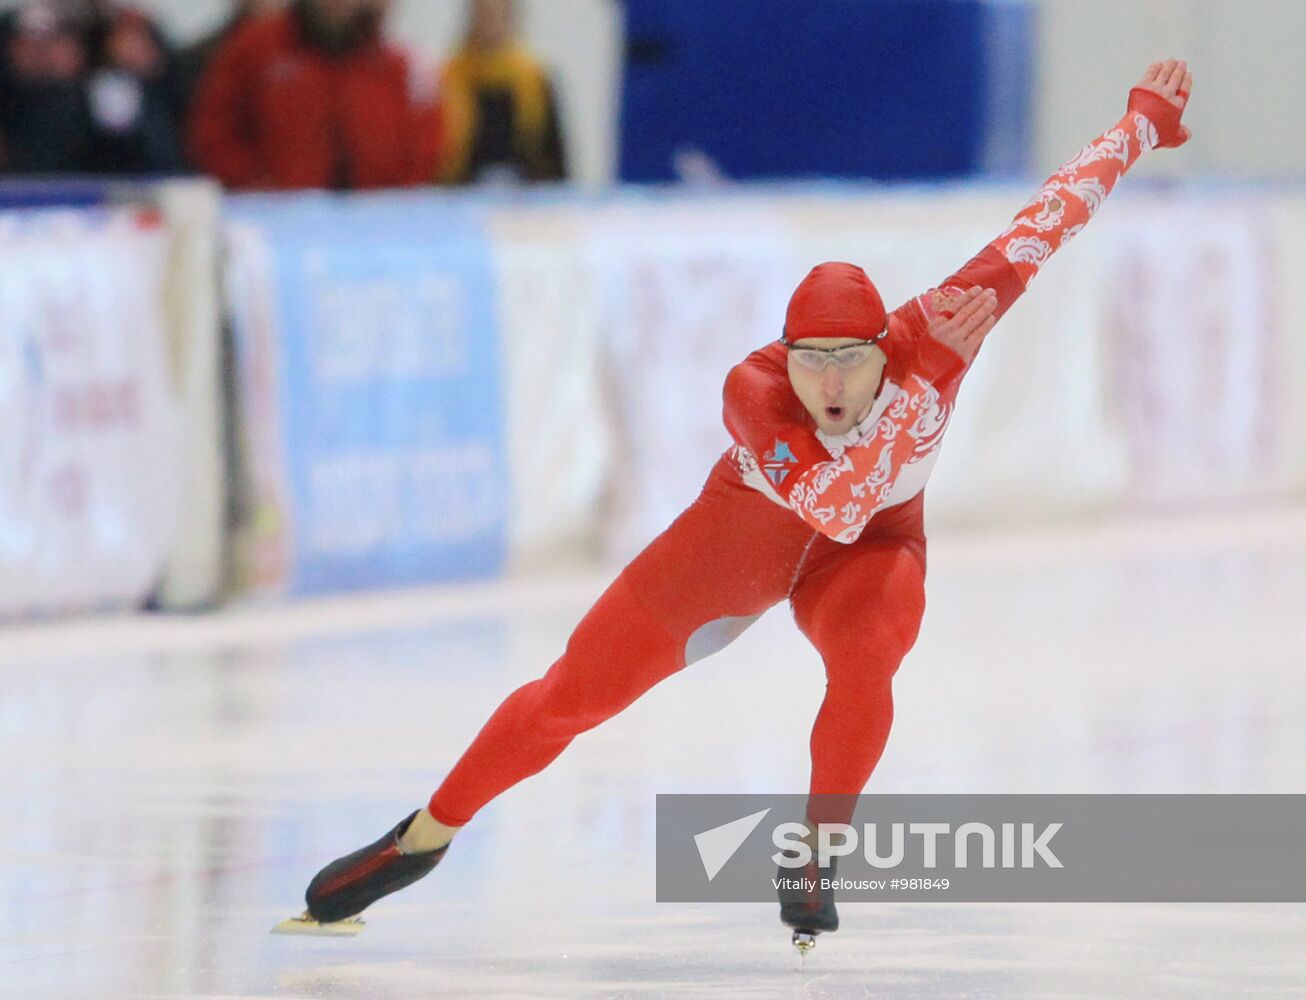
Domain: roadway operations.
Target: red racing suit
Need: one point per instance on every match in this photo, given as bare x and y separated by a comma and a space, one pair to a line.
833, 525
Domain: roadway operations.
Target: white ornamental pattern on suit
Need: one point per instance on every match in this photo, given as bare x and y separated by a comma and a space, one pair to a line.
1086, 179
880, 488
916, 413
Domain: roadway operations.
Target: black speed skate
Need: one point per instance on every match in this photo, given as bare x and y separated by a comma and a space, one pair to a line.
807, 907
351, 884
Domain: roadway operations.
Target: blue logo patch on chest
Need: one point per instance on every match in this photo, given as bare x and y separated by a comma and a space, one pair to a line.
775, 462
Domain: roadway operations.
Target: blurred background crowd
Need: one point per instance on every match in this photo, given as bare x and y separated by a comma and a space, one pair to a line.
464, 293
365, 94
285, 94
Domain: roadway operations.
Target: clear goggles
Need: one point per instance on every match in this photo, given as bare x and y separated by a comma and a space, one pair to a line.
846, 358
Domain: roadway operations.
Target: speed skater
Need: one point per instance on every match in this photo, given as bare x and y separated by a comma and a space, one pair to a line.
836, 427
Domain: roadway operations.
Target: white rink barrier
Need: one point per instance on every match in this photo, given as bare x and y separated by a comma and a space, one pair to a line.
113, 478
1151, 368
90, 433
1154, 366
194, 576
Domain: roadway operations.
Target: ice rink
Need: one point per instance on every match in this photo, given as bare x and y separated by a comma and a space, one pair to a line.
172, 783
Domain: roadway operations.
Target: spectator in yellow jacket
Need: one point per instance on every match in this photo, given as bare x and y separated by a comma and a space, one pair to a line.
499, 110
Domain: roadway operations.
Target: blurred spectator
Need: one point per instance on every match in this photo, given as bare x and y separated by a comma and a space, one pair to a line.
500, 113
44, 127
195, 60
312, 97
86, 86
133, 92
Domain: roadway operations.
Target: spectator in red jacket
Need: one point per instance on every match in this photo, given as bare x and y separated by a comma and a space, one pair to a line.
312, 97
195, 58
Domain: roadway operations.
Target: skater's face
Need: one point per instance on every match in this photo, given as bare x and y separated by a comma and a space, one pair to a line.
837, 389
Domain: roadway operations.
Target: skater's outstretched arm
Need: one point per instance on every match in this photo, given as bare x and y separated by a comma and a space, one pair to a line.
1070, 197
934, 337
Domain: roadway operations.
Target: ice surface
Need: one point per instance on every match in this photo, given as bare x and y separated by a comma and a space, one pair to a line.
170, 785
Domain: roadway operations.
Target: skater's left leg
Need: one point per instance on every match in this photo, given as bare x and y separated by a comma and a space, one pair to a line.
861, 607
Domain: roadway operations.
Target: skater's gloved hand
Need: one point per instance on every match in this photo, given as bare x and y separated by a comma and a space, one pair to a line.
1161, 97
964, 329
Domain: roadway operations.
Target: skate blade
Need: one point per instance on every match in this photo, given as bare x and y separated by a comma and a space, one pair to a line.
307, 925
804, 942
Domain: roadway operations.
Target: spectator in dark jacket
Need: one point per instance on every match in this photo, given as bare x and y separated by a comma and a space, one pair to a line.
312, 97
87, 86
44, 127
133, 92
499, 111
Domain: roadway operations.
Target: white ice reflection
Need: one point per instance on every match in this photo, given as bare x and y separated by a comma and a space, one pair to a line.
170, 785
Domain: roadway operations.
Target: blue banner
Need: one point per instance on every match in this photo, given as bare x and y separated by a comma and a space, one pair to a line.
24, 193
771, 89
389, 389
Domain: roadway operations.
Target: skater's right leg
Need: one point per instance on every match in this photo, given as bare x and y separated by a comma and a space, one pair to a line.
731, 555
426, 833
617, 652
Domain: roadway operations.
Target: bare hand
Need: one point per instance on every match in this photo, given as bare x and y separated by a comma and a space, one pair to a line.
1173, 81
969, 324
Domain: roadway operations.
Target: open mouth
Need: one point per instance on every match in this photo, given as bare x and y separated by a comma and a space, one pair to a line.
834, 412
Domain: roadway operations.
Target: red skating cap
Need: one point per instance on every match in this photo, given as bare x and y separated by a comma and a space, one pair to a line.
835, 300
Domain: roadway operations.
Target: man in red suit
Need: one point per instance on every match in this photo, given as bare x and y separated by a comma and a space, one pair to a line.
312, 97
819, 502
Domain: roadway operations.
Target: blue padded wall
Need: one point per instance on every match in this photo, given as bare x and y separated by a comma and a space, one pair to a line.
887, 89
